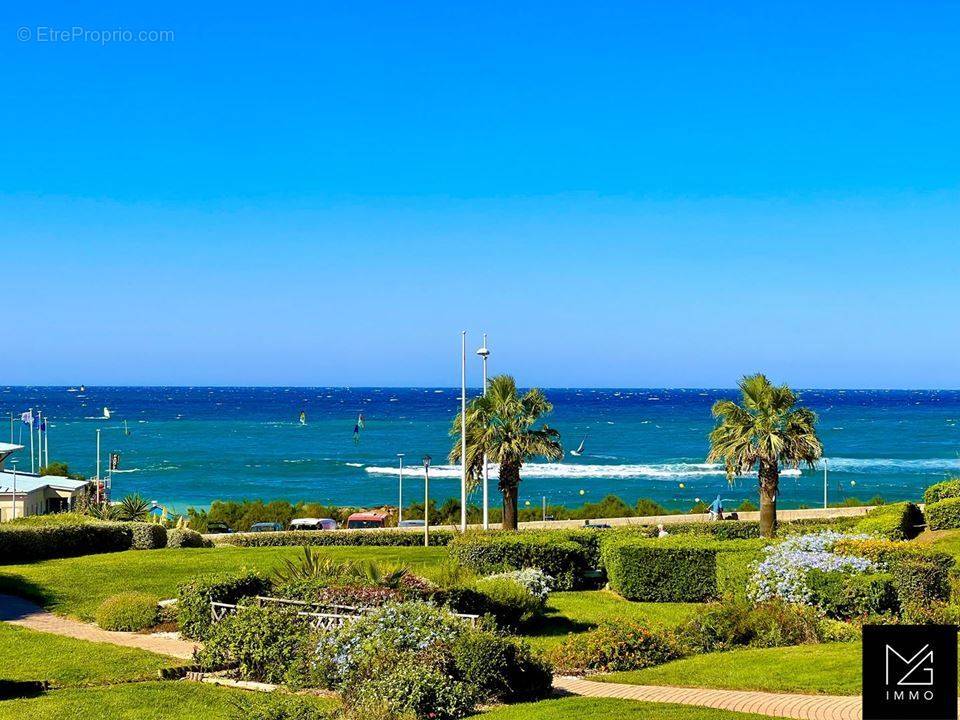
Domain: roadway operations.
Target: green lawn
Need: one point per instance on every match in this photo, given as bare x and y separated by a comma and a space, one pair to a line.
607, 709
829, 669
579, 611
30, 655
140, 701
77, 586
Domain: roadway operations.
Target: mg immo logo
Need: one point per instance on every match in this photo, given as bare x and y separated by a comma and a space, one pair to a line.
915, 671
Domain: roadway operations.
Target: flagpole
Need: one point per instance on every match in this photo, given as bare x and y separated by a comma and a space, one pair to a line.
98, 466
39, 441
46, 443
32, 469
463, 430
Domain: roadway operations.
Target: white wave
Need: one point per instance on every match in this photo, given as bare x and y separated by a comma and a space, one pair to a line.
126, 471
665, 471
297, 462
886, 465
354, 464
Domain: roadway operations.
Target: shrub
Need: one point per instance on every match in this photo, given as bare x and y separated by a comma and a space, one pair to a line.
148, 536
614, 646
931, 613
26, 543
184, 538
510, 602
268, 644
194, 598
898, 521
501, 668
536, 581
567, 561
387, 538
942, 491
730, 625
830, 630
843, 596
919, 574
276, 706
944, 515
677, 569
128, 612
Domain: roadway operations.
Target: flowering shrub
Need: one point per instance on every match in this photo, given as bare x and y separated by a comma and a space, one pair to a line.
784, 571
730, 625
533, 579
614, 646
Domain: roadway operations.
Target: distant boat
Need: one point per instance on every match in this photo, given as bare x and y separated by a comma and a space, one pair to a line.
82, 389
303, 418
126, 430
579, 451
73, 389
106, 413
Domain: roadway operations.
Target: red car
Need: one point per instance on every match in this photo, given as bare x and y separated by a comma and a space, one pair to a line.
366, 520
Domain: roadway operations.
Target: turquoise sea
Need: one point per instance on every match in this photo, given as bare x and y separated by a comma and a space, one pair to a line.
190, 446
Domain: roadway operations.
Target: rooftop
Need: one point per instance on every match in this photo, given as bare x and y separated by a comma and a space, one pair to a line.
27, 482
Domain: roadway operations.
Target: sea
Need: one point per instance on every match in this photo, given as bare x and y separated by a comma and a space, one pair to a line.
189, 446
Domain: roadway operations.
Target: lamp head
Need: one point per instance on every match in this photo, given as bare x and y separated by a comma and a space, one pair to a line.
483, 352
426, 462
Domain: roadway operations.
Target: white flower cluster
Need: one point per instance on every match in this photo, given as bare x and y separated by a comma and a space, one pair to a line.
533, 579
783, 573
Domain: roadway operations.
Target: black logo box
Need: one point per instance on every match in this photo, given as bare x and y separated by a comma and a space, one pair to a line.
910, 672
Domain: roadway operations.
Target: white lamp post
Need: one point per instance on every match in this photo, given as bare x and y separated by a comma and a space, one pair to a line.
463, 431
13, 464
825, 462
426, 501
400, 497
484, 354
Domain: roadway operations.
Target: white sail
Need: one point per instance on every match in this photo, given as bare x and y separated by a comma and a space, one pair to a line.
106, 413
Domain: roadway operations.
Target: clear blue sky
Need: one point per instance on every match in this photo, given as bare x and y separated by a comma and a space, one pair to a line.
620, 194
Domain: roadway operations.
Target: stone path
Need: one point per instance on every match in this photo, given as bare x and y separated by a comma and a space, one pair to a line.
24, 613
800, 707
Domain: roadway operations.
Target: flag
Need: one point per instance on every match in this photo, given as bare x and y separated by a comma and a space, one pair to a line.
27, 417
114, 461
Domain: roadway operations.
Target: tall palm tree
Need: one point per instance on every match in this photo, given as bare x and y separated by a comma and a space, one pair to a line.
502, 425
764, 432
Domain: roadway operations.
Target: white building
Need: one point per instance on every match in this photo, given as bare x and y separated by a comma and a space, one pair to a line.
35, 494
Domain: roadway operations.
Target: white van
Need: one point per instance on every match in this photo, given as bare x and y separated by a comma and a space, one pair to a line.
313, 524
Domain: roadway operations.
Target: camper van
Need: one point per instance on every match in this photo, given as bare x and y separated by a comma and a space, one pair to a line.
366, 520
313, 524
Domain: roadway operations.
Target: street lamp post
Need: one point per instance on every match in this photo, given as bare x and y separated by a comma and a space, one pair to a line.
400, 497
825, 462
426, 501
98, 466
463, 431
484, 354
13, 464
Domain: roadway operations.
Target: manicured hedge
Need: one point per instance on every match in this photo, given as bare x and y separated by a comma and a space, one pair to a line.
567, 561
184, 538
387, 538
943, 515
148, 536
26, 543
128, 612
194, 598
919, 574
843, 595
942, 491
681, 569
898, 521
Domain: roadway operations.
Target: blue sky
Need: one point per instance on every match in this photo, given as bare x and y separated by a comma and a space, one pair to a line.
620, 194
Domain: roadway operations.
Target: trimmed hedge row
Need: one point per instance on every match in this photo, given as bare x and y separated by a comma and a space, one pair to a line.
944, 514
919, 575
681, 570
566, 560
898, 521
26, 543
387, 538
942, 491
148, 536
194, 598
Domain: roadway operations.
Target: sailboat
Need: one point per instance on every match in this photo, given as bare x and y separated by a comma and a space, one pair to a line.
126, 430
303, 417
106, 413
579, 451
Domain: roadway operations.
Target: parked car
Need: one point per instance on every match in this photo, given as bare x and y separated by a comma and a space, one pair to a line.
313, 524
366, 520
266, 527
410, 524
218, 528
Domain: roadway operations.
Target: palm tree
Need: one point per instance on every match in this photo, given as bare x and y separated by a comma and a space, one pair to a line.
134, 508
764, 432
501, 424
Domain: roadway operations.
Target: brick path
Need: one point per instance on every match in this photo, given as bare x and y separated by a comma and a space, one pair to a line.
24, 613
800, 707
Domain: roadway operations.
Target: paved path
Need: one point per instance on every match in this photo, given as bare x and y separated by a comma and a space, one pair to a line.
24, 613
801, 707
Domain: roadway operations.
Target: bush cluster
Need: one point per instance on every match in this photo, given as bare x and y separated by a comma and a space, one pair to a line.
510, 602
942, 491
128, 612
944, 514
184, 538
678, 569
614, 646
726, 626
919, 575
415, 659
897, 521
841, 595
20, 543
386, 538
566, 560
147, 536
194, 598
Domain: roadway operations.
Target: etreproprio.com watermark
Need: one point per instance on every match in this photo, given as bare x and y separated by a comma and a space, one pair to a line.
79, 34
